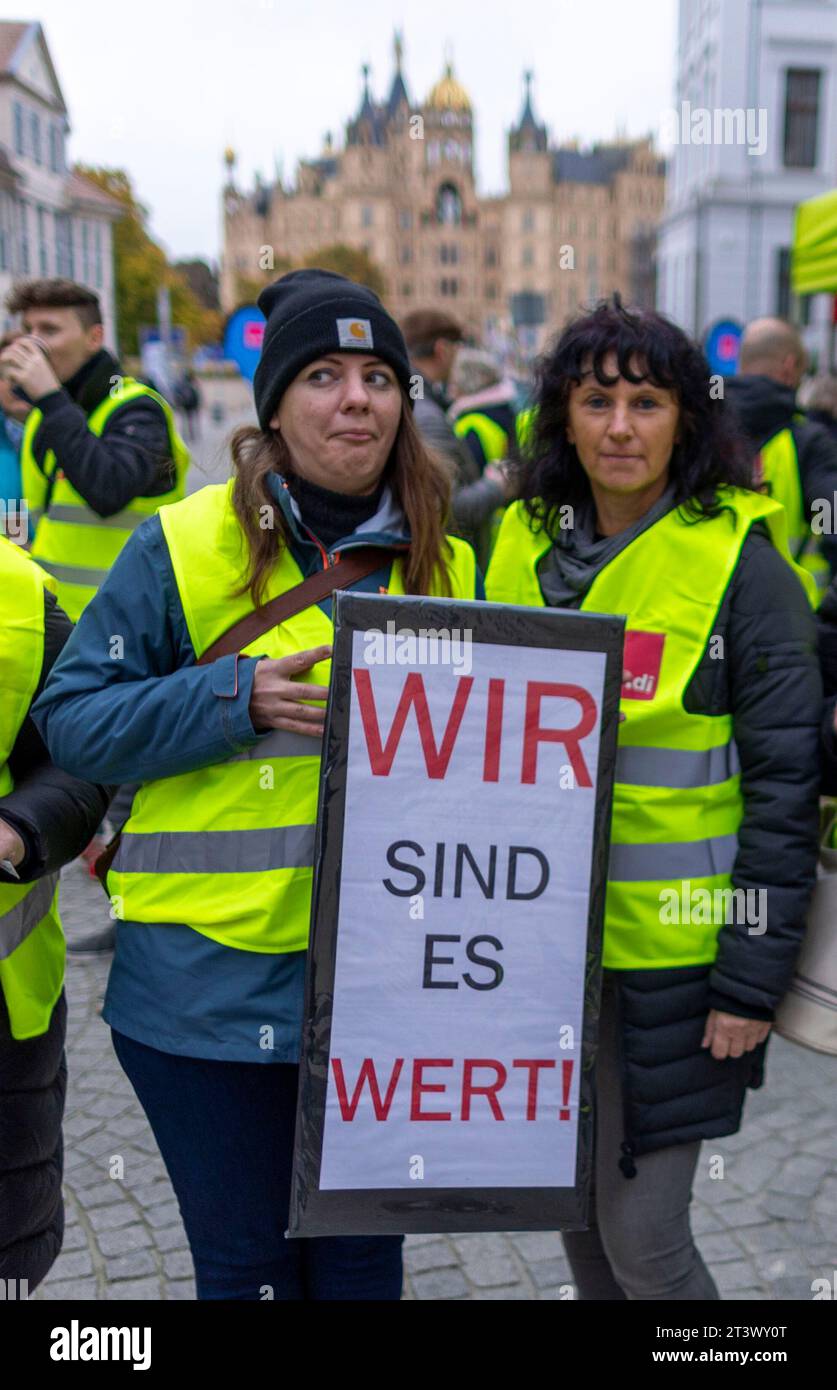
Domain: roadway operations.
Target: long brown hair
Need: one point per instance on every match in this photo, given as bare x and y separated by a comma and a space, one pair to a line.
419, 480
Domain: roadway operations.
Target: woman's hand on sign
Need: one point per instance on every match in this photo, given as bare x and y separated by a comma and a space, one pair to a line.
276, 700
731, 1036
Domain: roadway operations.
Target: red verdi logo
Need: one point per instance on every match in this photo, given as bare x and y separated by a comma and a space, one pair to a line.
642, 660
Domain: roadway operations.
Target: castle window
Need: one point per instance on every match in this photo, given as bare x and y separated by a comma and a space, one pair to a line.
528, 257
367, 216
405, 219
448, 205
528, 220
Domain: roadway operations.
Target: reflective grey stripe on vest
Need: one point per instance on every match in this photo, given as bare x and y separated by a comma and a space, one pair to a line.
126, 520
280, 744
216, 851
663, 863
23, 918
677, 767
72, 574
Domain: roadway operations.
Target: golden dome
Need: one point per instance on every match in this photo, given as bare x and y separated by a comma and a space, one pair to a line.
229, 156
448, 94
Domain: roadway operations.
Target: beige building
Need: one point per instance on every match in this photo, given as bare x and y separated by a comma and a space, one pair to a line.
574, 225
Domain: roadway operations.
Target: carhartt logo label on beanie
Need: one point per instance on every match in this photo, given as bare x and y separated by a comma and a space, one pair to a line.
354, 333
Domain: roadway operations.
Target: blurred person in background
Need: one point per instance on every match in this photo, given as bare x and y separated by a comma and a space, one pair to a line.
795, 458
187, 398
100, 451
483, 409
433, 340
818, 397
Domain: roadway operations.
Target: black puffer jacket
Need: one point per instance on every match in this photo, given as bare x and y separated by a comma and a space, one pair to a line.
55, 815
132, 456
675, 1091
763, 407
827, 638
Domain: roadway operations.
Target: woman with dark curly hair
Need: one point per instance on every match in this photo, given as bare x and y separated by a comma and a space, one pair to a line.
635, 499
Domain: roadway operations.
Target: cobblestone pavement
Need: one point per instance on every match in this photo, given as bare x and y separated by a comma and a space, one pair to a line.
766, 1228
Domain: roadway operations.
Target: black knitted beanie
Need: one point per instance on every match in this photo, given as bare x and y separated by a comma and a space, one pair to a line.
311, 313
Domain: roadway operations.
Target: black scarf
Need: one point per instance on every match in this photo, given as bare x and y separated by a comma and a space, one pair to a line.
332, 516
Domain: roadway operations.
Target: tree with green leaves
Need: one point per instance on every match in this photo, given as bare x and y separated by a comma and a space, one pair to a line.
347, 260
141, 270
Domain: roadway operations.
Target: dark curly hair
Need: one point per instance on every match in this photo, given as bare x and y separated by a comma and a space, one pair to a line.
711, 452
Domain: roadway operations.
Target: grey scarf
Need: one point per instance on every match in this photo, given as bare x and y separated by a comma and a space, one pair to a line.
567, 571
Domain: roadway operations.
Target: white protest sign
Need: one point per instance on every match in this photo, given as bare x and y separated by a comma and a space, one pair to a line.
470, 808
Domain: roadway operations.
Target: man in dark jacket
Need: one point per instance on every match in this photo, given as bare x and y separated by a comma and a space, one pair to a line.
432, 339
62, 367
133, 457
827, 644
45, 821
772, 363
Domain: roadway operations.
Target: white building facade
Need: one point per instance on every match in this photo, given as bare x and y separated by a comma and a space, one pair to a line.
52, 221
754, 125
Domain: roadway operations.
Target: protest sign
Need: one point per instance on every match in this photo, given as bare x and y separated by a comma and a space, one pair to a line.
452, 985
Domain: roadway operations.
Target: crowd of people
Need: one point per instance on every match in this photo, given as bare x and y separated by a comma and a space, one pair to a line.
403, 452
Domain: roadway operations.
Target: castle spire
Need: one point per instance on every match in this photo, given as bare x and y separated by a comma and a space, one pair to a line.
528, 134
398, 90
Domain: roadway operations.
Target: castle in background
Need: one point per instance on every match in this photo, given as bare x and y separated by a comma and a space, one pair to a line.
573, 226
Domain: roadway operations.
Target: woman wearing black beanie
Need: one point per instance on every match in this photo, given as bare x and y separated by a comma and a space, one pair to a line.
212, 876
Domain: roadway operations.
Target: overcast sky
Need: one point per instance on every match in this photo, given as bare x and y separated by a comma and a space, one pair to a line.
160, 87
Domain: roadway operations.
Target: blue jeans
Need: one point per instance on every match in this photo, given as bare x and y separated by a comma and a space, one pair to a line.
225, 1131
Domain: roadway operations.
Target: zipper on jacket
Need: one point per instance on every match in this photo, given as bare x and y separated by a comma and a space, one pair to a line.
627, 1166
324, 555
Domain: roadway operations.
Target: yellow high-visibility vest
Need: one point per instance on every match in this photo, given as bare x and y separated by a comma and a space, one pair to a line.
493, 439
31, 939
215, 849
71, 541
677, 803
494, 442
780, 471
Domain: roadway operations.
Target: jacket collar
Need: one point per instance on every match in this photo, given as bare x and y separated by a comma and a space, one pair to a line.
388, 527
90, 385
763, 406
